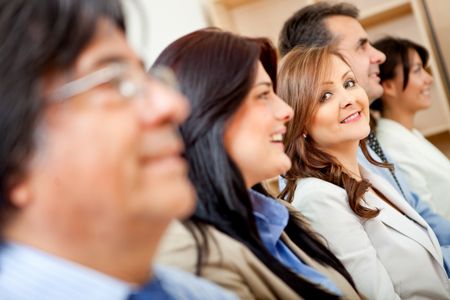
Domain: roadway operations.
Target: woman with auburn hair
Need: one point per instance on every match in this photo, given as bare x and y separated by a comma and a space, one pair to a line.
239, 237
388, 249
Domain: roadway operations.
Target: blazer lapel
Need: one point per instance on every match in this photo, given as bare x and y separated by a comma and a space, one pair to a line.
396, 220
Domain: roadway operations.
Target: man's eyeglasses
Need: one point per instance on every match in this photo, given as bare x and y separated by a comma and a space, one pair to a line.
130, 81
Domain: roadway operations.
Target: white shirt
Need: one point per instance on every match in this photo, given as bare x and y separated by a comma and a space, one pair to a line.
391, 256
425, 168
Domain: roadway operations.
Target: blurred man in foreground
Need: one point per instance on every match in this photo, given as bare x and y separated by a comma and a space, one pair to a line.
90, 160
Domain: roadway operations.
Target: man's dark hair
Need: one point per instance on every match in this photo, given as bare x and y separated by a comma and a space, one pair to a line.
306, 28
37, 37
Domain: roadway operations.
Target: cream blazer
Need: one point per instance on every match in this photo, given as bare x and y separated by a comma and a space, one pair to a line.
391, 256
425, 168
233, 266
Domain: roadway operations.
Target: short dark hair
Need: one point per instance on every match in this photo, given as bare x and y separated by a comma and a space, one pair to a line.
37, 37
306, 27
397, 51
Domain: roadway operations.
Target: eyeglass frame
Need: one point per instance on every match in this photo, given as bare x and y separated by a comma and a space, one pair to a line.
114, 71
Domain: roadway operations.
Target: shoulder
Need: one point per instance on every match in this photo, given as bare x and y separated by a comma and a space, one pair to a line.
176, 237
178, 248
315, 196
392, 133
183, 285
31, 273
177, 233
317, 188
179, 238
228, 263
387, 125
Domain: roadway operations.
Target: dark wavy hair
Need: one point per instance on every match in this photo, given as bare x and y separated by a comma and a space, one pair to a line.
216, 71
306, 27
299, 79
397, 51
37, 37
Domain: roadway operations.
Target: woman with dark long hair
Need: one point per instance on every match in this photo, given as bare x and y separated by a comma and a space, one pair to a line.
388, 249
408, 90
239, 237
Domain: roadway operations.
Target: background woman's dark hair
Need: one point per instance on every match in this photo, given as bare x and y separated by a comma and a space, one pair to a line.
299, 80
216, 71
37, 37
397, 51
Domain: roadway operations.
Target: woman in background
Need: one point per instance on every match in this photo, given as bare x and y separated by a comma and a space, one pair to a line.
388, 249
237, 237
407, 90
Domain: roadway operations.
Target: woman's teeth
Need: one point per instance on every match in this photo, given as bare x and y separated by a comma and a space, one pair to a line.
350, 118
276, 137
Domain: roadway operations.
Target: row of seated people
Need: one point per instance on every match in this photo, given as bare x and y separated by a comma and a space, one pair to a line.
98, 160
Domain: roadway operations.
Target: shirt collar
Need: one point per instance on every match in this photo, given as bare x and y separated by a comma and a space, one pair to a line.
271, 217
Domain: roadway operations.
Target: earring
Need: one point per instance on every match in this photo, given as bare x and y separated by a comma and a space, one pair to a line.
304, 135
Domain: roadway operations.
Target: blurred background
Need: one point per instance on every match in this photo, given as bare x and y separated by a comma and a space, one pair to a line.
153, 24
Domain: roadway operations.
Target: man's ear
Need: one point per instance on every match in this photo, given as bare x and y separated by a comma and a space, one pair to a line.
20, 193
390, 88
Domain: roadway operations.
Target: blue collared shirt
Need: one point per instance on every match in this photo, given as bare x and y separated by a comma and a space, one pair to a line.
29, 274
271, 219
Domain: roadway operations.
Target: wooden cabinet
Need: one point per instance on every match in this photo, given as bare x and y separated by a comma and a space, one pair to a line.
402, 18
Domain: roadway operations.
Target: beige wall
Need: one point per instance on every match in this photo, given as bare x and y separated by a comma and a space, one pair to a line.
266, 17
153, 24
439, 11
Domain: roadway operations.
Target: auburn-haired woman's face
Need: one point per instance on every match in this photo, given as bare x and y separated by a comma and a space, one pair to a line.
342, 116
254, 135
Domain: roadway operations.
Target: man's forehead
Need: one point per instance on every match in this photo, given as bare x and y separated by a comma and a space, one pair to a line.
108, 45
347, 32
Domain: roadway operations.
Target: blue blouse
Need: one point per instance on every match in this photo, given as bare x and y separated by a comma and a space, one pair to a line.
271, 219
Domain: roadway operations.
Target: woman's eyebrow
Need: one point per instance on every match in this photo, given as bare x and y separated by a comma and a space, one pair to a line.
267, 83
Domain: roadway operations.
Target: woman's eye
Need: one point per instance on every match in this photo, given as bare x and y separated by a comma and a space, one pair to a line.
325, 96
349, 83
264, 95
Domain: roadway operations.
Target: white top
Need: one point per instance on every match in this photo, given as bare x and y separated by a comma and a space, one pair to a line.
425, 168
391, 256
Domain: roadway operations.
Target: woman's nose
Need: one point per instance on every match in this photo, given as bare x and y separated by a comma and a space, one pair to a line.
347, 100
284, 111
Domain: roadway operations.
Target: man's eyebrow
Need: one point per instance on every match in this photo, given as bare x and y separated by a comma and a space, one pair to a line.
362, 42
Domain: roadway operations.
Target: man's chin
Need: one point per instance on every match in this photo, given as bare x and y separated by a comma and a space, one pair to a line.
375, 92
